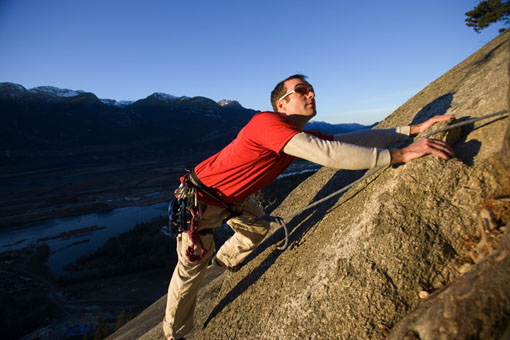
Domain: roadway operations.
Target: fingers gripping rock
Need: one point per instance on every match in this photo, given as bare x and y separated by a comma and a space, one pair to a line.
451, 136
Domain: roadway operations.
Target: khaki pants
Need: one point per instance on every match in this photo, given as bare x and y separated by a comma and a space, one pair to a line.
187, 276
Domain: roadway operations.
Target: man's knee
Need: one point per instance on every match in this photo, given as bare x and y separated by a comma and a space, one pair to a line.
261, 229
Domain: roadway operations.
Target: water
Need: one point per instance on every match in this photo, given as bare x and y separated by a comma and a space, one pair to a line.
66, 251
113, 223
299, 166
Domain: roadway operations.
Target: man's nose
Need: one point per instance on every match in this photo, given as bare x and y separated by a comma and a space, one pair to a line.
311, 94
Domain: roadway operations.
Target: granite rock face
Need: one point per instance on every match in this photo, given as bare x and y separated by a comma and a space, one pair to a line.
359, 265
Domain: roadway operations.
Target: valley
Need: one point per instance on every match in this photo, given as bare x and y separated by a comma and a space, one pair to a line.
101, 286
33, 195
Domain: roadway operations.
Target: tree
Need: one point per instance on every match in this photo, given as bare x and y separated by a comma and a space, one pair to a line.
102, 329
122, 319
487, 12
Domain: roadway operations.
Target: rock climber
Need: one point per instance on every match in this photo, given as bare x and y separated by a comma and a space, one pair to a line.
262, 150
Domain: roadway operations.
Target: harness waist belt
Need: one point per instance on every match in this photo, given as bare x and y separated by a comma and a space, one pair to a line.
208, 191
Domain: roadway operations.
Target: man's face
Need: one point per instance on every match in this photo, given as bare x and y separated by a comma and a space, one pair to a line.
297, 103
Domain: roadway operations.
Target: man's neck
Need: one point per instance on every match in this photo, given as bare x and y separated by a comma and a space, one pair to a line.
298, 121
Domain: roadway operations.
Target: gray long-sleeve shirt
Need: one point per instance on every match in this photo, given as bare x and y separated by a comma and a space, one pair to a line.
352, 151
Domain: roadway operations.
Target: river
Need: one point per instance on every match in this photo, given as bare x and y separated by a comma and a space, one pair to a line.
65, 250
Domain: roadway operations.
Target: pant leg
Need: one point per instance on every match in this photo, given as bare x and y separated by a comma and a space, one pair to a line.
188, 276
246, 237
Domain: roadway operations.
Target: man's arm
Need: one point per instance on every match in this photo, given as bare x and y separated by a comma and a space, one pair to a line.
376, 138
335, 154
381, 138
341, 155
421, 148
422, 127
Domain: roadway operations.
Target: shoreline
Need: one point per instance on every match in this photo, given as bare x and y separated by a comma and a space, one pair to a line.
73, 211
127, 189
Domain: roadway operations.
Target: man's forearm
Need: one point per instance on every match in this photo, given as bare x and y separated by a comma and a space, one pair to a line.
336, 154
362, 149
397, 156
422, 127
378, 138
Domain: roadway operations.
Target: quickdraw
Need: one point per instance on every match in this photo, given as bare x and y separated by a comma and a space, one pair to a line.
194, 236
184, 213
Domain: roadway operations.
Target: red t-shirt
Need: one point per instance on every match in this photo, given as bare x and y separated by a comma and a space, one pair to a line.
252, 160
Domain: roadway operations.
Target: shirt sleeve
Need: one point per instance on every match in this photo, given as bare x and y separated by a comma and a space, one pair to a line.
320, 134
379, 138
336, 154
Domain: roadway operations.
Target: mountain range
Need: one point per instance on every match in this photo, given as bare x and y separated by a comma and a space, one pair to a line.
76, 126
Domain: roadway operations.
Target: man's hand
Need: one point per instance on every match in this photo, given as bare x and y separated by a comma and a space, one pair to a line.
419, 128
421, 148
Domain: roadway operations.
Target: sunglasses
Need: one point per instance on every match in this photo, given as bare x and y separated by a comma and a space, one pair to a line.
301, 89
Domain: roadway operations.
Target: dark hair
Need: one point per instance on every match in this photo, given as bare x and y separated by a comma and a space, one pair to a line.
279, 90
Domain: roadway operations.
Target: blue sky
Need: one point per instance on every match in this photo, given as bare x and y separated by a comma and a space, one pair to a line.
364, 58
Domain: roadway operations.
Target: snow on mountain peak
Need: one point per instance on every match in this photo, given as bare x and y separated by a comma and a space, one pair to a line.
122, 103
225, 102
113, 102
55, 91
13, 85
59, 92
164, 96
110, 102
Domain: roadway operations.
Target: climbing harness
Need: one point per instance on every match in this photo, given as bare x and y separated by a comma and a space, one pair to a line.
185, 212
281, 220
233, 209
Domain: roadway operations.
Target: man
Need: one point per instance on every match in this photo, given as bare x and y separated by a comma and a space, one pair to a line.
263, 149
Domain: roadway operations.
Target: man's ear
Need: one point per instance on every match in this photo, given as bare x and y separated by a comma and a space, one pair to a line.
279, 105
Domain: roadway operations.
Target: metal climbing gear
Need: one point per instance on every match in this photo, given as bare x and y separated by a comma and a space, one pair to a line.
184, 213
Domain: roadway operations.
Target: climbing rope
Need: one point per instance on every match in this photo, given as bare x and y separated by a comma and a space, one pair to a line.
281, 220
466, 122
